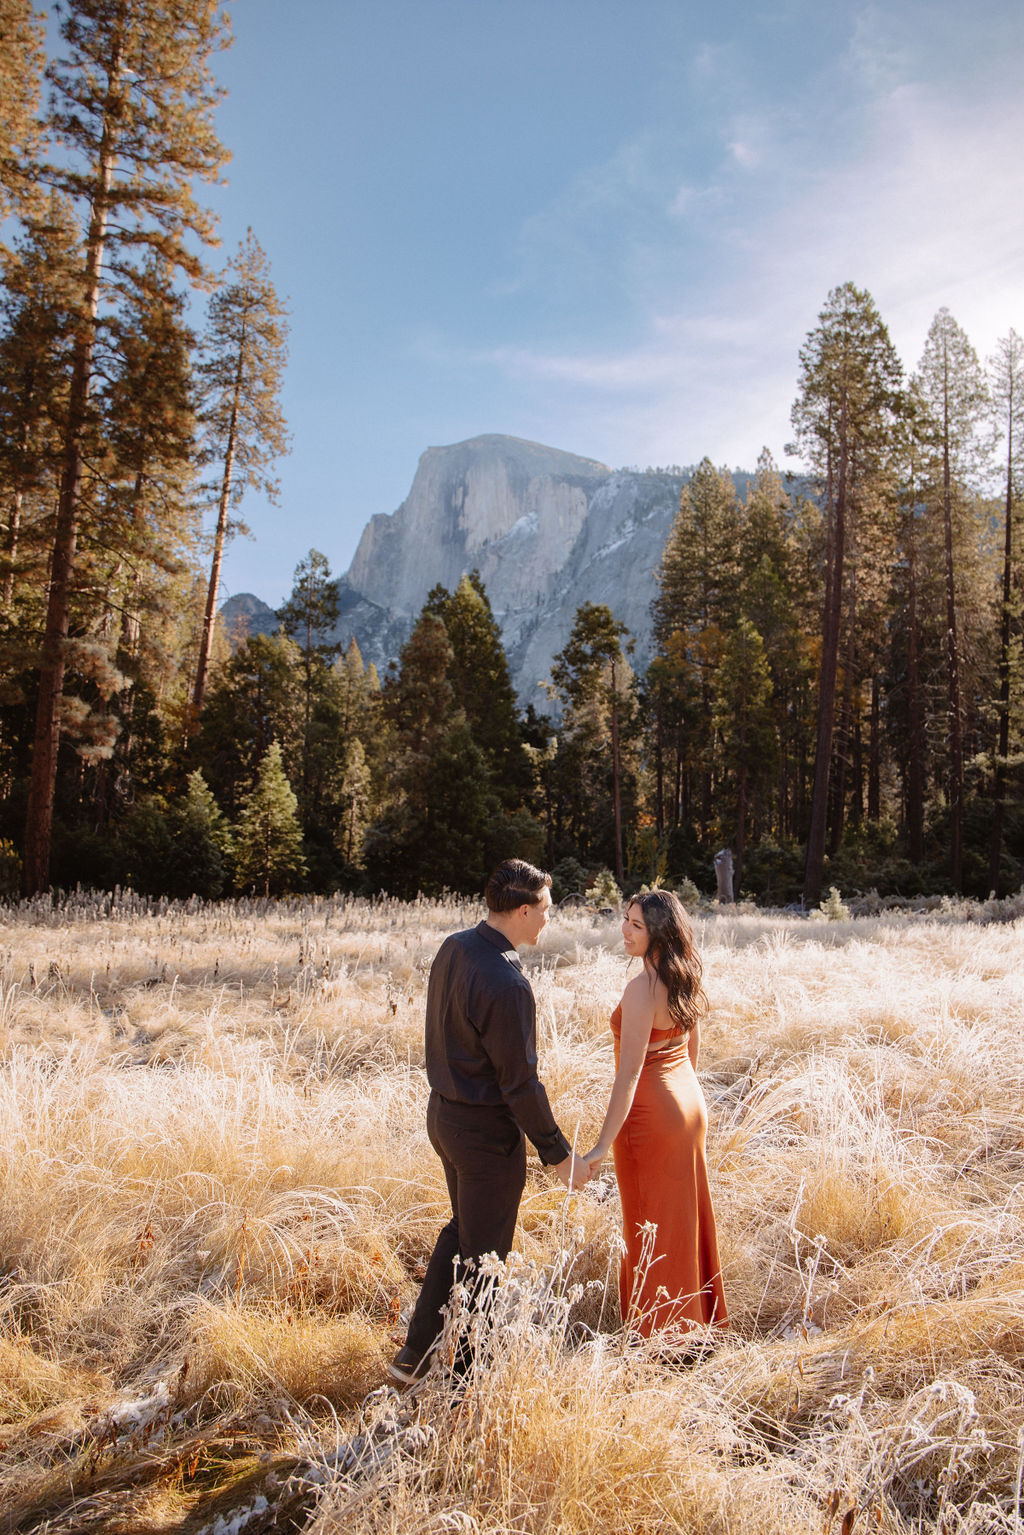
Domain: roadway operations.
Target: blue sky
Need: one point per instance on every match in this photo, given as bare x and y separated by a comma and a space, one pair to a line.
605, 226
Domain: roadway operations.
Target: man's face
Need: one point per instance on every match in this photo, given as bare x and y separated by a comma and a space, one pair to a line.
534, 918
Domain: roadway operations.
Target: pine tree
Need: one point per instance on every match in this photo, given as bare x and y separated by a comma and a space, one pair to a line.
954, 397
699, 570
906, 690
133, 104
36, 304
776, 596
201, 844
244, 355
1006, 374
255, 699
432, 833
308, 616
481, 683
268, 837
142, 532
596, 685
850, 383
746, 727
698, 583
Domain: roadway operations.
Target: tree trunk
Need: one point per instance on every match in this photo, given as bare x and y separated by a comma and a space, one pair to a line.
956, 750
13, 530
1003, 744
39, 818
857, 764
741, 827
209, 617
915, 762
818, 830
659, 771
875, 751
620, 872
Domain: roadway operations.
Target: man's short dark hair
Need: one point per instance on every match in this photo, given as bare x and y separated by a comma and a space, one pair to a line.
515, 883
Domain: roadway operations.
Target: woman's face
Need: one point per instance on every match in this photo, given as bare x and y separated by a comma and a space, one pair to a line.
635, 936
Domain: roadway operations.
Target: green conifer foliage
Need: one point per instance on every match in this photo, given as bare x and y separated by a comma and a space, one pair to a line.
36, 303
268, 837
480, 680
845, 414
433, 832
255, 699
21, 63
597, 688
746, 728
955, 402
698, 583
1006, 383
308, 616
201, 844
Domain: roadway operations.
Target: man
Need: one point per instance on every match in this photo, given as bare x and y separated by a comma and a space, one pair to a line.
481, 1058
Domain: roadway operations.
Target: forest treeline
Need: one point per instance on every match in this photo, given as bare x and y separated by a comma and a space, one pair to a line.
836, 692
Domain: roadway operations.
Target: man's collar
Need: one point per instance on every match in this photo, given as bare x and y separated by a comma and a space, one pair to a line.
499, 941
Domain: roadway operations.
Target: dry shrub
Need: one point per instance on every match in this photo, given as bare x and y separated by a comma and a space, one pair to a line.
264, 1355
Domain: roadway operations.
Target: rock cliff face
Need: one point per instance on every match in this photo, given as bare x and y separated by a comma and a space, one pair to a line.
546, 530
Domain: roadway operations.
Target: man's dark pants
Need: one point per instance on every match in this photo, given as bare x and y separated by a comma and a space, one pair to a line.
483, 1153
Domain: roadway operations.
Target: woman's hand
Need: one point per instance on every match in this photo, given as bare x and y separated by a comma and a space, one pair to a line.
594, 1157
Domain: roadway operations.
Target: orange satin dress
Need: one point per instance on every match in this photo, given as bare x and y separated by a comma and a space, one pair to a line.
662, 1173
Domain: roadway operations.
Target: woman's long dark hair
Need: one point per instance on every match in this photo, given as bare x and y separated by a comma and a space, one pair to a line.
672, 955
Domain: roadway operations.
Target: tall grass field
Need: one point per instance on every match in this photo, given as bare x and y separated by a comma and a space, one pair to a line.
218, 1197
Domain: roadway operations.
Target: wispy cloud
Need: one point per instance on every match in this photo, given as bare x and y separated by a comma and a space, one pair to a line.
918, 198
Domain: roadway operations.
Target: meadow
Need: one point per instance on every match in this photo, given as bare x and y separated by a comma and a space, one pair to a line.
218, 1195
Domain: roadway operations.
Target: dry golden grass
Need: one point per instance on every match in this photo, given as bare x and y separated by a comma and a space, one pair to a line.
218, 1194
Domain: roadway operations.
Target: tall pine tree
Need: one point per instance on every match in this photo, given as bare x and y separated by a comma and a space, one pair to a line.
133, 107
244, 355
954, 397
848, 402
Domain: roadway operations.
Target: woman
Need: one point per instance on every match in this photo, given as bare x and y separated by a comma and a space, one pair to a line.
670, 1278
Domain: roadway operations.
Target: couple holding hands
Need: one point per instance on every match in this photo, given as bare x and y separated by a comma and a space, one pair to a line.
486, 1100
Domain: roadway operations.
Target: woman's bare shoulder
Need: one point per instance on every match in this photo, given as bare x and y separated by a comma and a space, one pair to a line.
643, 993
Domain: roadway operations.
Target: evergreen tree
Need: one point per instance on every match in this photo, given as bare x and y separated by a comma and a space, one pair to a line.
255, 699
201, 844
1006, 373
36, 302
433, 831
954, 397
481, 684
911, 600
746, 727
141, 536
849, 399
268, 837
596, 685
133, 103
244, 354
776, 595
308, 616
355, 764
698, 582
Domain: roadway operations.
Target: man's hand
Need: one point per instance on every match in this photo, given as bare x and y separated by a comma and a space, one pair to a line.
573, 1172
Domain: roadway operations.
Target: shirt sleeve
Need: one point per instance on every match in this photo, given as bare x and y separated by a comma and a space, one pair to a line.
508, 1032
